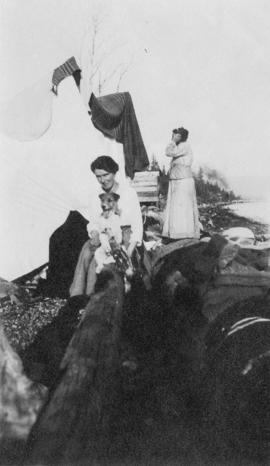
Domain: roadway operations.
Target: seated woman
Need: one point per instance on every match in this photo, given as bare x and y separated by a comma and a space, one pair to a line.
105, 170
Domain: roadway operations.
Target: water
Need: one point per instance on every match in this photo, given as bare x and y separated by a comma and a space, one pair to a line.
259, 210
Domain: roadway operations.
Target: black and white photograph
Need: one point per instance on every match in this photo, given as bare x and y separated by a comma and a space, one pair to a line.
134, 233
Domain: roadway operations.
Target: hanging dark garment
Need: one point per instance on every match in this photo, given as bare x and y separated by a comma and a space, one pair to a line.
114, 116
64, 249
70, 67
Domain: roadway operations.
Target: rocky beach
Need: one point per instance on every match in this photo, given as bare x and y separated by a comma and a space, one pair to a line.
22, 321
218, 217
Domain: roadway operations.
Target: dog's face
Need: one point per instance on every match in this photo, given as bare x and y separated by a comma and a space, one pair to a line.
109, 203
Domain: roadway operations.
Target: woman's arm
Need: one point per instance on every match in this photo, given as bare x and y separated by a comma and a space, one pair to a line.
131, 211
183, 150
172, 150
136, 217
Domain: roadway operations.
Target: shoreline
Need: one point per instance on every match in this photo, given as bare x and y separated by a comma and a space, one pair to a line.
218, 217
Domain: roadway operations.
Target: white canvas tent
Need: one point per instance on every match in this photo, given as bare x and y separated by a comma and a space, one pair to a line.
43, 179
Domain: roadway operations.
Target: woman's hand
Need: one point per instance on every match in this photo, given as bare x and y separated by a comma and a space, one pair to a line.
176, 138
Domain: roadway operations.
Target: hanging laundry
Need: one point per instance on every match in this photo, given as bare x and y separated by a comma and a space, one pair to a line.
70, 67
42, 180
115, 117
29, 114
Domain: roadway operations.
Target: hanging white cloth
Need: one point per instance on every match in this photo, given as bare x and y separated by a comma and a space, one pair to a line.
29, 114
42, 180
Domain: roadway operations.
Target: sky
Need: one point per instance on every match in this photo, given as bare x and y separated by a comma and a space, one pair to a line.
202, 64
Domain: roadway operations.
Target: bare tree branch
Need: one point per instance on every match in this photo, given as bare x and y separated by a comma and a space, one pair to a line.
102, 55
103, 79
125, 68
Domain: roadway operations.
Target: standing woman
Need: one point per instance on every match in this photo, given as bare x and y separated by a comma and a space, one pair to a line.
181, 215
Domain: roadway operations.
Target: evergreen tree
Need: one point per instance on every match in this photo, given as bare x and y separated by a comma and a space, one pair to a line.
154, 165
210, 190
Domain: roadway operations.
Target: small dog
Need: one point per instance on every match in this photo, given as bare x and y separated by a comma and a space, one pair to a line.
109, 228
114, 236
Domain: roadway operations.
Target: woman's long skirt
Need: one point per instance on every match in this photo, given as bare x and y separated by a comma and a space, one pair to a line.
181, 214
